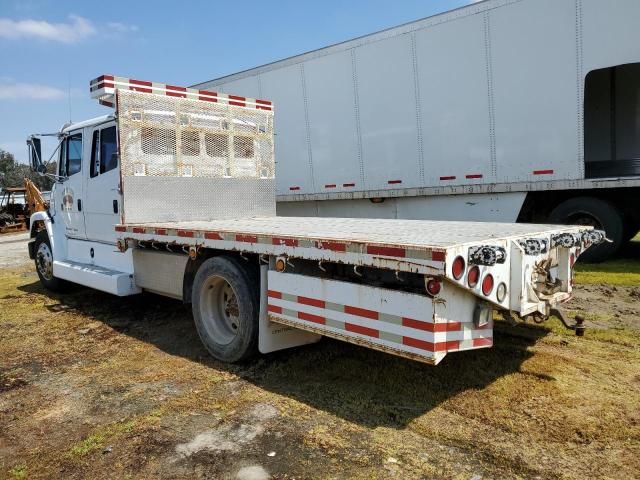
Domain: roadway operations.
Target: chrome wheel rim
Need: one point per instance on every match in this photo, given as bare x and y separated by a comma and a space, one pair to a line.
44, 261
219, 310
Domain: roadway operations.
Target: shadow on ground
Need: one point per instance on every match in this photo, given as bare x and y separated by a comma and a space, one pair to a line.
357, 384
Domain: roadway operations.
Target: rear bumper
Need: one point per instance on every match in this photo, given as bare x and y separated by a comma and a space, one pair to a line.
32, 249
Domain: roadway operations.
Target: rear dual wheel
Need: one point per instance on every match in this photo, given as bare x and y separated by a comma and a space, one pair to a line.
225, 308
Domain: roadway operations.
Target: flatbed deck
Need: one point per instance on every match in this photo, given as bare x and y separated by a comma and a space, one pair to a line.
416, 245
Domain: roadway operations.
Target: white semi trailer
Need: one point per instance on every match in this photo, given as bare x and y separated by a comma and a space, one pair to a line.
503, 110
174, 193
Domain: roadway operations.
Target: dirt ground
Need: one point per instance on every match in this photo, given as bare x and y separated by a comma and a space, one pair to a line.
94, 386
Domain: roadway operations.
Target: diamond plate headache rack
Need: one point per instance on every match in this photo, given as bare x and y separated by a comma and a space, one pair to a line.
103, 89
487, 255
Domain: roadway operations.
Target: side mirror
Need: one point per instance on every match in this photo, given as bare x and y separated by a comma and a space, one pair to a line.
35, 155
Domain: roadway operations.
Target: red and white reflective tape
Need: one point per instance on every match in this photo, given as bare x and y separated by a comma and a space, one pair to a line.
377, 327
103, 89
210, 237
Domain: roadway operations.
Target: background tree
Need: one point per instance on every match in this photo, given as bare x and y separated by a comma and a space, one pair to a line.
12, 173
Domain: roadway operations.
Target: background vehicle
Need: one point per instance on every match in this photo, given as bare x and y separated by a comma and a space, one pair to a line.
503, 110
17, 204
175, 194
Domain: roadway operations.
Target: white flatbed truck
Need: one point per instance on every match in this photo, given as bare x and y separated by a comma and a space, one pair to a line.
174, 194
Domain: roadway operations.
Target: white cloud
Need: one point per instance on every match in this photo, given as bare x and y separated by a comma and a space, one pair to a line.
78, 28
30, 91
118, 27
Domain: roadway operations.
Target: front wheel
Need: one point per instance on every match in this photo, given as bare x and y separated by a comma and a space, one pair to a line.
225, 309
44, 263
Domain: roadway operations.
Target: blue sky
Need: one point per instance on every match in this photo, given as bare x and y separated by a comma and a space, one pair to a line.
49, 50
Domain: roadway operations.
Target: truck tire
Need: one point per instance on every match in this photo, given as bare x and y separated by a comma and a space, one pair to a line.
597, 213
44, 264
225, 307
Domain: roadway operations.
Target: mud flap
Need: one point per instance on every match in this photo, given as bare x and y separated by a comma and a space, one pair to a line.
31, 246
275, 336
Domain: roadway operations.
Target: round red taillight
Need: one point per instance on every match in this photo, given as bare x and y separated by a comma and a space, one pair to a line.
473, 276
433, 287
487, 284
457, 268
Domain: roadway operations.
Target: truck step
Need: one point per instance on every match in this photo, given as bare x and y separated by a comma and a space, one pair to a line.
100, 278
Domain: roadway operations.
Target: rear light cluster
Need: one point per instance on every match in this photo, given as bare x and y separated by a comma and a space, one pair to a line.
474, 277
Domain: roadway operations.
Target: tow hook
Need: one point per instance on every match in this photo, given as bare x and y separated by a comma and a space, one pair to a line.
578, 327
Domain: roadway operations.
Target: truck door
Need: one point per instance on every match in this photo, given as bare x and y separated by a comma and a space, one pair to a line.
68, 195
103, 198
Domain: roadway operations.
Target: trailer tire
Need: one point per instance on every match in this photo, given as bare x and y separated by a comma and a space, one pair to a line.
44, 264
225, 309
594, 212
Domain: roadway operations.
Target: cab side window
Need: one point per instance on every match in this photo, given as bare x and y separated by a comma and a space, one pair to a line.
104, 151
108, 149
73, 161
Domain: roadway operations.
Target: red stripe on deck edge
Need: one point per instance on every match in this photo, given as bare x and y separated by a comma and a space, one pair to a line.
333, 246
438, 256
120, 229
247, 238
289, 242
394, 182
311, 301
361, 312
213, 236
138, 230
274, 294
274, 309
294, 188
543, 172
482, 342
386, 251
331, 185
348, 184
448, 178
161, 231
311, 318
185, 233
473, 175
369, 332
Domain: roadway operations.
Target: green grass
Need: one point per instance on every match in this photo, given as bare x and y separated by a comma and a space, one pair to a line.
98, 440
622, 271
18, 472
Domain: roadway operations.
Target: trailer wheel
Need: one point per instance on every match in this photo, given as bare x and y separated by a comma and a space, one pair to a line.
44, 264
225, 309
596, 213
